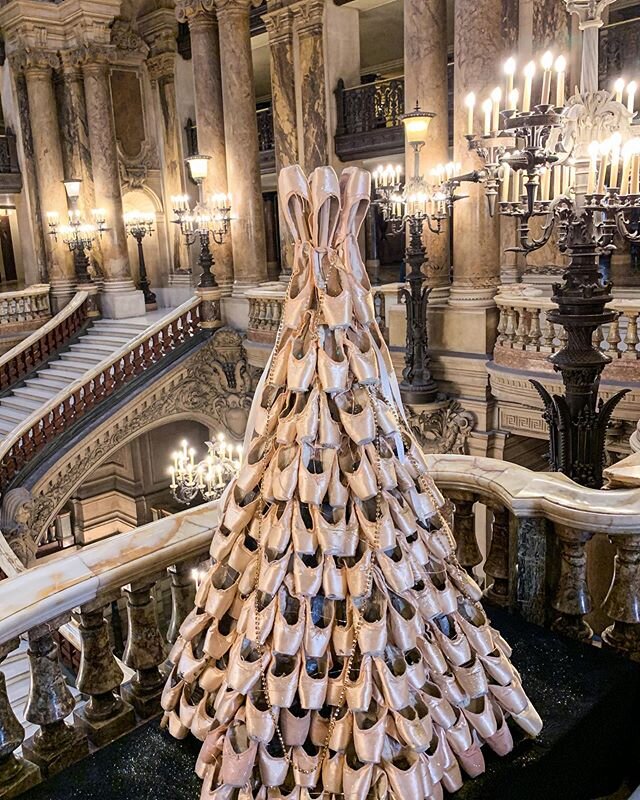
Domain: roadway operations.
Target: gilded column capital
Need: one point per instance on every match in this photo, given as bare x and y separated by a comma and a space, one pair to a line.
309, 15
279, 25
30, 61
233, 7
161, 66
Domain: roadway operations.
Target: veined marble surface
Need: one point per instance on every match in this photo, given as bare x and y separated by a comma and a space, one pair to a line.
57, 586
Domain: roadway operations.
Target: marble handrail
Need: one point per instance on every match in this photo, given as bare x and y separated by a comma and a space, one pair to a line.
540, 494
72, 390
73, 305
59, 585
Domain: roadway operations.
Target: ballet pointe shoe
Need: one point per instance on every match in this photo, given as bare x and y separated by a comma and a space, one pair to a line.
332, 769
306, 764
302, 361
319, 625
358, 568
328, 429
285, 472
406, 778
334, 578
355, 465
314, 473
305, 539
289, 623
362, 358
372, 634
295, 723
391, 671
336, 529
501, 742
336, 303
307, 573
356, 413
272, 763
307, 419
359, 683
282, 679
312, 686
245, 665
356, 776
260, 717
369, 732
529, 720
333, 366
414, 724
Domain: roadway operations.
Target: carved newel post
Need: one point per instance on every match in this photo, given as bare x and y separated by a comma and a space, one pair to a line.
56, 744
144, 651
105, 715
16, 774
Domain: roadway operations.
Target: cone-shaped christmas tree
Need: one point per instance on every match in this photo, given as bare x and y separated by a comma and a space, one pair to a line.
336, 645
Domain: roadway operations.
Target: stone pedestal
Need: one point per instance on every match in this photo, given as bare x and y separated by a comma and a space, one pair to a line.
119, 300
210, 307
241, 136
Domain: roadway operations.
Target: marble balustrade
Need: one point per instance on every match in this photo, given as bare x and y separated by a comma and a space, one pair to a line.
21, 312
526, 537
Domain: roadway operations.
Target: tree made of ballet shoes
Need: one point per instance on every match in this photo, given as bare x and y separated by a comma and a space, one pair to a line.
336, 645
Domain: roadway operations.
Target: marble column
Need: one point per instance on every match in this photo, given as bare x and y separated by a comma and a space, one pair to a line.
241, 135
120, 297
161, 68
38, 70
76, 152
205, 57
425, 82
479, 49
271, 235
283, 99
311, 69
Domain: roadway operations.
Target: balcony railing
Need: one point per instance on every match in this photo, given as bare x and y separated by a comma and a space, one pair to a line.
264, 121
369, 119
10, 176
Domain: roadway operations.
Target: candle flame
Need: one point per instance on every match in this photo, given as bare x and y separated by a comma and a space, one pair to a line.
547, 60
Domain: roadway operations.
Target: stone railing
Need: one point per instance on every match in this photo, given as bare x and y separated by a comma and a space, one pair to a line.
266, 146
538, 531
368, 119
57, 332
265, 309
526, 336
166, 336
83, 586
21, 312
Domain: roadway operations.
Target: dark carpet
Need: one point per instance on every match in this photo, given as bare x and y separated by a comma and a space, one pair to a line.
589, 700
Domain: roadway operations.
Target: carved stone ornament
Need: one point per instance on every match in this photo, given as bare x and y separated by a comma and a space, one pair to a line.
24, 59
186, 10
125, 38
16, 525
135, 171
162, 66
589, 12
593, 116
444, 430
214, 385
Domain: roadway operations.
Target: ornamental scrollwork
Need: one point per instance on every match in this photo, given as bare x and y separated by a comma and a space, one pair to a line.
445, 430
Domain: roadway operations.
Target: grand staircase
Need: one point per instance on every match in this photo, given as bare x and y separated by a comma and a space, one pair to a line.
95, 344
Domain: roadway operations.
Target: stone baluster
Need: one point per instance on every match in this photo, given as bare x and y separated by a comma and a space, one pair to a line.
467, 549
622, 602
510, 328
144, 651
105, 716
531, 568
614, 338
182, 596
57, 744
561, 336
502, 326
598, 337
16, 774
277, 315
535, 332
269, 314
253, 305
631, 338
522, 336
497, 564
572, 599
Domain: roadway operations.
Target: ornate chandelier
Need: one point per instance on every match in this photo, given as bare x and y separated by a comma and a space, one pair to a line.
208, 477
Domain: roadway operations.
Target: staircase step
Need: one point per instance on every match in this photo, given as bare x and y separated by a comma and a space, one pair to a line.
67, 371
6, 427
119, 329
111, 339
41, 393
93, 348
22, 404
44, 379
12, 415
87, 360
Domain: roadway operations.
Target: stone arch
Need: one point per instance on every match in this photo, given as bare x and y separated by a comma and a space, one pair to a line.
142, 199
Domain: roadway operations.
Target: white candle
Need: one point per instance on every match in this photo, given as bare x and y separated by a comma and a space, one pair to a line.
486, 107
547, 63
506, 180
627, 155
470, 102
515, 196
545, 179
618, 88
496, 97
635, 169
594, 150
509, 71
557, 181
513, 99
631, 94
560, 67
605, 147
529, 72
616, 140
